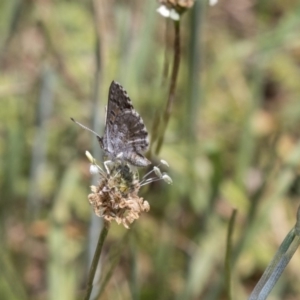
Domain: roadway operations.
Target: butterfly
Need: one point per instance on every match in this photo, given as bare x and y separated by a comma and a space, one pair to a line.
125, 135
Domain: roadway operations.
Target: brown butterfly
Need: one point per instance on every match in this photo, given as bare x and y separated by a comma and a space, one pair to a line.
125, 135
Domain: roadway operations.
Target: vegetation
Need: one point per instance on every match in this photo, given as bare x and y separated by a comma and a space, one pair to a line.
228, 127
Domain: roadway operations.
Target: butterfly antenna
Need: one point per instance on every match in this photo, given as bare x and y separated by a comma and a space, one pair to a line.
84, 127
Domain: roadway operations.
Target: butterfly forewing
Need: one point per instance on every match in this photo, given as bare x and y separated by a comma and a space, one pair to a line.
125, 132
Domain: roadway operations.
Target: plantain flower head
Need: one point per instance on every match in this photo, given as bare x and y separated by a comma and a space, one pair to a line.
116, 196
174, 8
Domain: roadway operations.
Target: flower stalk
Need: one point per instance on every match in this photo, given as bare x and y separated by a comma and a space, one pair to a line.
96, 258
172, 88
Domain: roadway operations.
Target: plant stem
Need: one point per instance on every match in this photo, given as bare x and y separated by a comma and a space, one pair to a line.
175, 69
114, 258
229, 254
95, 261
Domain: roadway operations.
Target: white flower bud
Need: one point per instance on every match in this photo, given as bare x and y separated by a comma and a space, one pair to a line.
89, 156
94, 169
164, 162
157, 172
167, 179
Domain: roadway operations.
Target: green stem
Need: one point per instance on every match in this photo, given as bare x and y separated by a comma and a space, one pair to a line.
228, 255
95, 261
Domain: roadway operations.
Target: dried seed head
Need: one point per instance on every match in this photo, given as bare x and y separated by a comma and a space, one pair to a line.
116, 196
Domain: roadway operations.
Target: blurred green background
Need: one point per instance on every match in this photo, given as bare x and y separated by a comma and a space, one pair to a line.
232, 142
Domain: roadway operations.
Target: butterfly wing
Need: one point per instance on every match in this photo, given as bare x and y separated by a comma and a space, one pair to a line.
125, 131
